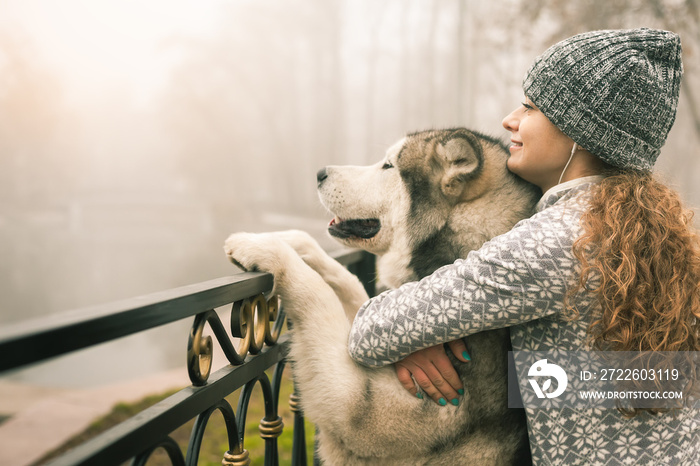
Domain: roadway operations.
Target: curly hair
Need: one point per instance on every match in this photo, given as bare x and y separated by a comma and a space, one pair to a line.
641, 258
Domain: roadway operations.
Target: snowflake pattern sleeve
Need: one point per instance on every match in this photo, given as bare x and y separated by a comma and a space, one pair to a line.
515, 278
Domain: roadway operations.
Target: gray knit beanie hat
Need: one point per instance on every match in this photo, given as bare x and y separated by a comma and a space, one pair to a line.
614, 93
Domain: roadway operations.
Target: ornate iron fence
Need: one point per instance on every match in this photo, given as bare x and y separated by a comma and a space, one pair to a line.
256, 325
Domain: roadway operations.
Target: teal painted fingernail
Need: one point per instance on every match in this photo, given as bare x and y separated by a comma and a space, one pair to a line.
460, 391
419, 395
466, 356
442, 402
455, 402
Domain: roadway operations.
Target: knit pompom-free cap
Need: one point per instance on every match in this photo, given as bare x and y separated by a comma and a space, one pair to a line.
613, 92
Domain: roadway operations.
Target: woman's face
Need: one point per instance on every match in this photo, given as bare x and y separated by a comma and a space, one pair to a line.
539, 150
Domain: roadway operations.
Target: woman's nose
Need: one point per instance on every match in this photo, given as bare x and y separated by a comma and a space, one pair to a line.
510, 122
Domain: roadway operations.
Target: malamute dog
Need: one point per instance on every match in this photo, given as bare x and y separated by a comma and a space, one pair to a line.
434, 197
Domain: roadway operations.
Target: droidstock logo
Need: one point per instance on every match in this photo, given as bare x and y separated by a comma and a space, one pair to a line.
544, 369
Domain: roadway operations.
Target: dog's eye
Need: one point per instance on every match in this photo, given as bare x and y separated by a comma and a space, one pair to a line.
387, 166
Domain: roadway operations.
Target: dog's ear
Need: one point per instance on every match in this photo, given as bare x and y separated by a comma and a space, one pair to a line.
462, 157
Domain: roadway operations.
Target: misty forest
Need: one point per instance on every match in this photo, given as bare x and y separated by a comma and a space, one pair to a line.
136, 136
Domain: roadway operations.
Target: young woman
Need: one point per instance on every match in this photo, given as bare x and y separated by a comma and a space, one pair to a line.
608, 262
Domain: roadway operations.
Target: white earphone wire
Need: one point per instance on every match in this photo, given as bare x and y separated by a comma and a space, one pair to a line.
573, 150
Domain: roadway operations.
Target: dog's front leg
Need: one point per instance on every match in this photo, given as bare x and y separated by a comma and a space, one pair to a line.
346, 285
320, 328
361, 412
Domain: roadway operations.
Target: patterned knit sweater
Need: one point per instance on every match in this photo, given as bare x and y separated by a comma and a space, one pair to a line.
518, 280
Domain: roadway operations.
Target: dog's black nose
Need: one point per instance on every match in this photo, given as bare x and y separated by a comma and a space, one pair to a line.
321, 175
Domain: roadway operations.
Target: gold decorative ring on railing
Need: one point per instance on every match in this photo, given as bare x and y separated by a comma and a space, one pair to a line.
241, 325
261, 319
253, 320
199, 347
295, 403
273, 330
199, 351
271, 429
236, 459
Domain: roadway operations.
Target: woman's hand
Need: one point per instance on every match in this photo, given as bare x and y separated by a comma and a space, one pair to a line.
432, 370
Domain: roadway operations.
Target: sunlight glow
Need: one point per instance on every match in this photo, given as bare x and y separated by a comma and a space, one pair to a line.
94, 47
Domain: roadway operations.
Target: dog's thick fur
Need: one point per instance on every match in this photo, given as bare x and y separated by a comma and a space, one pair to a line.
435, 196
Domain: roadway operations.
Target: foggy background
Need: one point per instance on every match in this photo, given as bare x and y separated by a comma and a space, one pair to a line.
136, 135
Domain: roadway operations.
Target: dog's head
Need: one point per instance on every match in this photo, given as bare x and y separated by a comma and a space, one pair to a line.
408, 195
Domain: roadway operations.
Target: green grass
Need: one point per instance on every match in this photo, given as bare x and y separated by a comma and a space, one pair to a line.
215, 442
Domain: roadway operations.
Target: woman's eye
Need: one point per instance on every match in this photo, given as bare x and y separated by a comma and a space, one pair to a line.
387, 166
527, 106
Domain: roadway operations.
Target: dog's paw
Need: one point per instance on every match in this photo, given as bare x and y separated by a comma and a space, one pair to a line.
257, 252
302, 242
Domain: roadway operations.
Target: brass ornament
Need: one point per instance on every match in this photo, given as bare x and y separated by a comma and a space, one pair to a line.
295, 403
236, 459
199, 352
261, 318
272, 331
254, 321
271, 429
241, 325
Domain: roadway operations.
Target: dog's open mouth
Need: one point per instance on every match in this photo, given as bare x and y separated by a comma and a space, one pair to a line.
358, 228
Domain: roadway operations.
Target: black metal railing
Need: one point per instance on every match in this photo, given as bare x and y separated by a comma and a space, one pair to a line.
256, 325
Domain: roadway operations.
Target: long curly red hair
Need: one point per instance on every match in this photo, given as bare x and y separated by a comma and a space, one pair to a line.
643, 257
